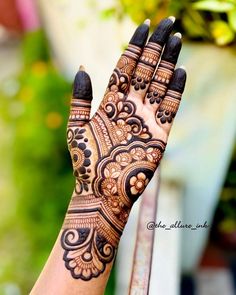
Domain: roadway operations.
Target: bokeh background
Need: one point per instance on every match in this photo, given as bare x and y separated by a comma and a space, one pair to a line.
42, 44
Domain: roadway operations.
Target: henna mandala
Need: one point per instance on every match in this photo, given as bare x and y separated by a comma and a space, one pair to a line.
115, 154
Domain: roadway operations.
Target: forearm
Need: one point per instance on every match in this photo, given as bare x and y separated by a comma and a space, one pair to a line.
82, 258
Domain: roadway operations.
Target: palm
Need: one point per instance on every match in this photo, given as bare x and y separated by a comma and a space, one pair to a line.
116, 153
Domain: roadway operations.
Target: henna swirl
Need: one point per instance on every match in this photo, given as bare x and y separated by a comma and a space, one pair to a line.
86, 252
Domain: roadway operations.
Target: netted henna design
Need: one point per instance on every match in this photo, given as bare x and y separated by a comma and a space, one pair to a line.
116, 152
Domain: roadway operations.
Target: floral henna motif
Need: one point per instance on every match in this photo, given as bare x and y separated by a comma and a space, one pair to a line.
80, 156
138, 183
120, 78
122, 175
158, 86
169, 107
125, 124
146, 66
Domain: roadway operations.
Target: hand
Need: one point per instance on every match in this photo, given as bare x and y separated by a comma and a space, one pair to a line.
116, 152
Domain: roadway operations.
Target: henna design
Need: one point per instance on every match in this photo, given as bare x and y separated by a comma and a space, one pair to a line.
170, 104
162, 77
146, 66
114, 154
80, 158
123, 123
157, 88
115, 174
150, 56
79, 113
120, 78
86, 252
169, 107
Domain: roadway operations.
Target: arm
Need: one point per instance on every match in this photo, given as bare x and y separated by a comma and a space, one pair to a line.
114, 155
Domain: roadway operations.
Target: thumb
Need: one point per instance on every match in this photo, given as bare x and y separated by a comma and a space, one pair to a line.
81, 99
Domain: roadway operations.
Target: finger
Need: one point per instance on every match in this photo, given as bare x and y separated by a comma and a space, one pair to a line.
164, 72
81, 99
150, 57
170, 104
122, 74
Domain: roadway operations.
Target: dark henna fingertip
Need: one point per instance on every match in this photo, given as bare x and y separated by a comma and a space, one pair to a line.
140, 35
172, 49
162, 31
178, 80
82, 86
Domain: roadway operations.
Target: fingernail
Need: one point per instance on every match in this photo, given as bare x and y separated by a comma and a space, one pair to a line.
81, 68
172, 18
147, 22
179, 35
182, 67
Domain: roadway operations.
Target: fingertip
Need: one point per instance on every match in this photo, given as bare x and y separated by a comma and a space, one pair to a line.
81, 68
162, 31
178, 34
82, 88
139, 37
147, 22
172, 49
172, 18
178, 80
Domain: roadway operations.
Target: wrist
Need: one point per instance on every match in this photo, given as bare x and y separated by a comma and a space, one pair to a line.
89, 237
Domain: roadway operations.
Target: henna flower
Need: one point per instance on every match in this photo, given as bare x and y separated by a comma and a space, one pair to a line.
165, 116
154, 96
154, 155
112, 170
119, 208
123, 131
124, 215
138, 183
139, 83
124, 159
109, 187
138, 154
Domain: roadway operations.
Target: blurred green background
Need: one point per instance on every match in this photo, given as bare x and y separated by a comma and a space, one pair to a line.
36, 176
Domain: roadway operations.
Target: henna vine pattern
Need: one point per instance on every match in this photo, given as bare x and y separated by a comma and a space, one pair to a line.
114, 154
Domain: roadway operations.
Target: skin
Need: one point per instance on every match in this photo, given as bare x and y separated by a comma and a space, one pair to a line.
114, 155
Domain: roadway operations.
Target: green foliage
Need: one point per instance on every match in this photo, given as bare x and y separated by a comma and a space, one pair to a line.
209, 20
41, 167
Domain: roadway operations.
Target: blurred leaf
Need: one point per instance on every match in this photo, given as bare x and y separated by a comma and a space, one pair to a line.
232, 19
34, 47
107, 13
221, 32
216, 6
194, 24
228, 225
